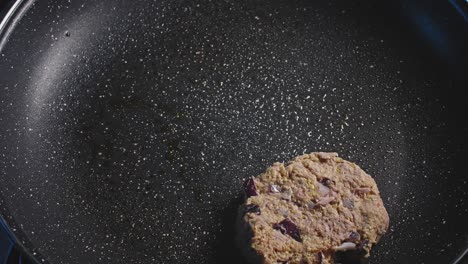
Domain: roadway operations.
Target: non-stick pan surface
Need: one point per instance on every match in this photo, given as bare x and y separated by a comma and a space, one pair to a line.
126, 127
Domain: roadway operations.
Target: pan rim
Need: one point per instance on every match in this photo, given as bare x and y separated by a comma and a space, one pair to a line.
12, 16
7, 24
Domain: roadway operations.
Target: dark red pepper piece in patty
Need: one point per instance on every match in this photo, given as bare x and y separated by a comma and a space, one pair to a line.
286, 227
249, 187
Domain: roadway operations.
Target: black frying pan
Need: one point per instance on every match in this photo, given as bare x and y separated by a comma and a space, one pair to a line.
126, 127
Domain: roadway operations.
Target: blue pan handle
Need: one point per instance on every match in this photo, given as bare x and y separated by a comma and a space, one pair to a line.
6, 243
10, 251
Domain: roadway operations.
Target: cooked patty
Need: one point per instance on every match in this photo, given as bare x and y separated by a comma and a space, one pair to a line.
309, 209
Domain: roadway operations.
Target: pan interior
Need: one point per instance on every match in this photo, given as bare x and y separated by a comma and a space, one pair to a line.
126, 130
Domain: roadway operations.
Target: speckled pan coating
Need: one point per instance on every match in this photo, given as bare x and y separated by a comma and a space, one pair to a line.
127, 127
332, 202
